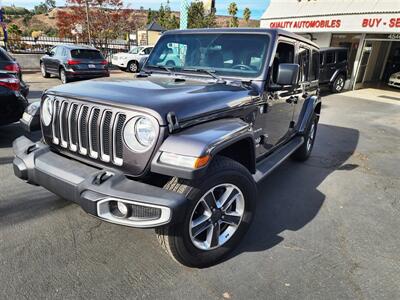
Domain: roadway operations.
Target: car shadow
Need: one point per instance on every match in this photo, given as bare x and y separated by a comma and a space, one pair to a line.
289, 198
9, 133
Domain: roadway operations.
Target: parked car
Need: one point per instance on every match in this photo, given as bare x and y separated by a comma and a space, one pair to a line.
133, 60
181, 149
70, 62
9, 65
334, 68
394, 80
12, 99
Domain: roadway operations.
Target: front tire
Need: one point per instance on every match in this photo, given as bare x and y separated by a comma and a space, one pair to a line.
133, 67
220, 210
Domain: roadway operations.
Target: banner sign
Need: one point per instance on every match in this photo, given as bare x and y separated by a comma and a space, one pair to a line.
379, 23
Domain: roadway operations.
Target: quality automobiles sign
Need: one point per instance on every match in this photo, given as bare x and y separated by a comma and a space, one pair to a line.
380, 23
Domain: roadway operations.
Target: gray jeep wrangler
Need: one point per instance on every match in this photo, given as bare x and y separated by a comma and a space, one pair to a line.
181, 148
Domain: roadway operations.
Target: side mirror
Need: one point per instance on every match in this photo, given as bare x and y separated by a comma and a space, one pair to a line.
288, 74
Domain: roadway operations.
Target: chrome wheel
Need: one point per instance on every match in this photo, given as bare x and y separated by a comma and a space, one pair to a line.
43, 69
340, 84
133, 67
216, 217
310, 138
63, 76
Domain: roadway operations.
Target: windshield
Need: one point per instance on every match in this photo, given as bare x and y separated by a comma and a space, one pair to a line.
86, 54
135, 50
241, 55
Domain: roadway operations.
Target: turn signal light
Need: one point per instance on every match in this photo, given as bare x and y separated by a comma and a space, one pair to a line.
201, 161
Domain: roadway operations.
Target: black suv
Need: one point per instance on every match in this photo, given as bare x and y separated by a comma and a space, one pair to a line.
70, 62
334, 68
181, 149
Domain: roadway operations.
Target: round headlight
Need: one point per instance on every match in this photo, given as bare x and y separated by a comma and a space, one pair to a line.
140, 133
47, 111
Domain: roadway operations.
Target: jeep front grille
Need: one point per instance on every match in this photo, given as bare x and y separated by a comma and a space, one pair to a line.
89, 130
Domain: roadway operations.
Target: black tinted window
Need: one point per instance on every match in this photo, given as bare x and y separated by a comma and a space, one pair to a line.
314, 73
284, 55
342, 56
330, 57
304, 62
147, 50
86, 54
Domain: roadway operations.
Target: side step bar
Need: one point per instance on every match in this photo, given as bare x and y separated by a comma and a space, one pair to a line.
268, 164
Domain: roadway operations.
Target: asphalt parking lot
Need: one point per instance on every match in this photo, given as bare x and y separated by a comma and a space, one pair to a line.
324, 229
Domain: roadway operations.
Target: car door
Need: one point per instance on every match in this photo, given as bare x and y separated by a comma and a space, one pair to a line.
273, 125
308, 59
48, 60
329, 65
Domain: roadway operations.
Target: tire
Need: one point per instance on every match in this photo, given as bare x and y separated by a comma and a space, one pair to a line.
63, 76
338, 84
43, 70
180, 241
133, 67
304, 152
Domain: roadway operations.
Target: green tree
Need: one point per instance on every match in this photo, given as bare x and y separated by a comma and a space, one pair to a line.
247, 14
232, 10
14, 31
40, 9
151, 16
197, 17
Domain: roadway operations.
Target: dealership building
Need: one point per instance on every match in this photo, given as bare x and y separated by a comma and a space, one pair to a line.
369, 29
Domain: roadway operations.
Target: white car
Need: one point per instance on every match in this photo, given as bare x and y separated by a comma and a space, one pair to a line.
394, 80
133, 60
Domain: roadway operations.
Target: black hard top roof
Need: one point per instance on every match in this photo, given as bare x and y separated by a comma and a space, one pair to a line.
272, 32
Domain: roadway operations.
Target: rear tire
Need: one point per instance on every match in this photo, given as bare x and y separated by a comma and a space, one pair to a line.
133, 67
304, 152
63, 76
196, 246
338, 84
43, 71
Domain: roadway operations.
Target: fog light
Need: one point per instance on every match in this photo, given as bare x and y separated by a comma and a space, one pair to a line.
123, 209
120, 209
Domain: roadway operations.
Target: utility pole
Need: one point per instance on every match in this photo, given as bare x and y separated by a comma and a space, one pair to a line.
87, 20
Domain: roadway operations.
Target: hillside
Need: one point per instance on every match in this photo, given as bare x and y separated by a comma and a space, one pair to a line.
47, 22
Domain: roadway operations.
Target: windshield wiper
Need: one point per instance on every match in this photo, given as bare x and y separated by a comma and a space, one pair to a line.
206, 71
169, 70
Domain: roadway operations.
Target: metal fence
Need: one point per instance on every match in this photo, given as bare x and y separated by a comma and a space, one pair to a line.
30, 45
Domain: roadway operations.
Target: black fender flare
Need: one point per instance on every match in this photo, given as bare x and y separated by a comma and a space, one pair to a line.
309, 106
204, 139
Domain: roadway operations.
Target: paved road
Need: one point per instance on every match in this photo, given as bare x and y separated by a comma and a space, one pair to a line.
324, 229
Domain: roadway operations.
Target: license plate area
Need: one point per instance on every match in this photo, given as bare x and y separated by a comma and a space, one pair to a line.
91, 66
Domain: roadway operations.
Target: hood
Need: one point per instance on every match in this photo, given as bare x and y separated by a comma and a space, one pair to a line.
159, 95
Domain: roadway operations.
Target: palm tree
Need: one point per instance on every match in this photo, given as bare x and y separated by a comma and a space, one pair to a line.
232, 10
247, 14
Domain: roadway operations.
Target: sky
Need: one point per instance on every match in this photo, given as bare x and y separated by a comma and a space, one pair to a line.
257, 6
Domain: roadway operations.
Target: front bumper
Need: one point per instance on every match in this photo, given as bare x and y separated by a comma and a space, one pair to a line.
94, 189
119, 63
